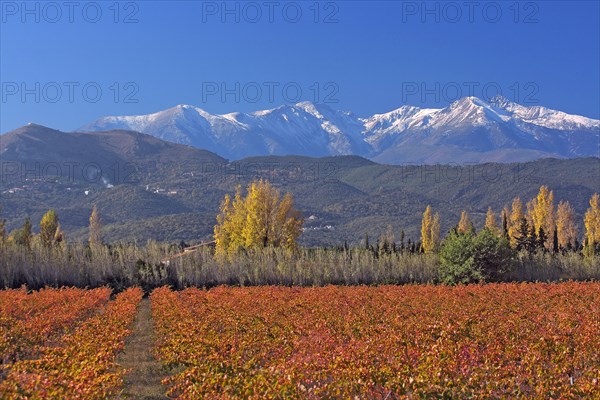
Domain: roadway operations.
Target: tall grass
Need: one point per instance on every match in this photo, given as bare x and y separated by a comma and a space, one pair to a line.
546, 267
124, 265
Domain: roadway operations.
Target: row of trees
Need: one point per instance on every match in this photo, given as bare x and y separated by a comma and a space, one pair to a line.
538, 225
386, 244
256, 243
50, 233
264, 218
490, 255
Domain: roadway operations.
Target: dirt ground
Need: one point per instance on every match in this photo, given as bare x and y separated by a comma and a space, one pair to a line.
145, 372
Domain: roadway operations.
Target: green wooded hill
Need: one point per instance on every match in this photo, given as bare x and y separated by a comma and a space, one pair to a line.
146, 188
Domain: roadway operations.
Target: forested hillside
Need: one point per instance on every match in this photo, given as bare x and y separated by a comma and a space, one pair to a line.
146, 188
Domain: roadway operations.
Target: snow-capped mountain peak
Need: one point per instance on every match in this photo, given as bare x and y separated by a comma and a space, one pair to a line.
543, 116
469, 129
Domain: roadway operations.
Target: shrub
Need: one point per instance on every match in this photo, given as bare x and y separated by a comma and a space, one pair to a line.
469, 258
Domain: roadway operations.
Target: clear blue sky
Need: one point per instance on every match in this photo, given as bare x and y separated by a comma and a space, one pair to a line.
371, 57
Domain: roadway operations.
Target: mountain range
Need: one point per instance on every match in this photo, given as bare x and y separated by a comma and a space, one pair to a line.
469, 130
146, 188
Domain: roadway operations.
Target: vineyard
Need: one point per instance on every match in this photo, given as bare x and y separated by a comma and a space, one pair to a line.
62, 343
491, 341
377, 342
28, 322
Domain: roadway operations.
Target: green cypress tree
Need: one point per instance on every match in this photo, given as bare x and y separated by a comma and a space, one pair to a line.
542, 239
402, 240
505, 225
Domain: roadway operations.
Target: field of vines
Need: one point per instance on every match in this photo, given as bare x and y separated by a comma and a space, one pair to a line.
528, 340
62, 343
388, 342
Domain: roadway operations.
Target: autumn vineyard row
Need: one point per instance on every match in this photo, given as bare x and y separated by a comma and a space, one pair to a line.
81, 365
387, 342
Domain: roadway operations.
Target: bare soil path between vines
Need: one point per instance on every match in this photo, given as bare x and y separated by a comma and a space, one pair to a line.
145, 372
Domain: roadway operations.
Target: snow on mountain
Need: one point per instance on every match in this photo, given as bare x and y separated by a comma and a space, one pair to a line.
380, 127
544, 117
468, 130
472, 130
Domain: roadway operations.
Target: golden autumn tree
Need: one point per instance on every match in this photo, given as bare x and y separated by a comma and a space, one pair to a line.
465, 225
430, 231
59, 235
95, 227
543, 215
222, 228
49, 227
565, 225
263, 218
261, 209
517, 213
490, 221
288, 223
230, 222
529, 214
592, 224
426, 222
237, 221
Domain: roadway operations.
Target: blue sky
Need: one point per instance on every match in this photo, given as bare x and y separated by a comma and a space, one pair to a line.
367, 57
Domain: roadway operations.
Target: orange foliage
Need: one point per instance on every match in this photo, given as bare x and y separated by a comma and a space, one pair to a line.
83, 365
491, 341
30, 321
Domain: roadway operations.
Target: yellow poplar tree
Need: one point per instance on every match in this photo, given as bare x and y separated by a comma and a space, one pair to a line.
516, 215
426, 223
288, 223
542, 214
490, 221
565, 225
238, 220
430, 231
223, 227
48, 228
592, 222
95, 227
59, 236
465, 225
262, 218
531, 204
261, 205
